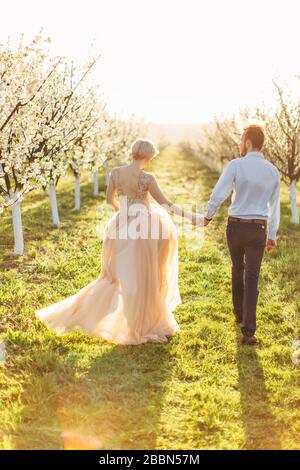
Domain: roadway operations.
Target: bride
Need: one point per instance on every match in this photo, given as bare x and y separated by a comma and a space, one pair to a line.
133, 299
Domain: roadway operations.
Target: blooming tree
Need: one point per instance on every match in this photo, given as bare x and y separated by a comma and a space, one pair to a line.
282, 148
23, 78
51, 121
219, 142
45, 114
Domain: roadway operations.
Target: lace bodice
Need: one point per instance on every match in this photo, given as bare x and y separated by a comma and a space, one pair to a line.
141, 194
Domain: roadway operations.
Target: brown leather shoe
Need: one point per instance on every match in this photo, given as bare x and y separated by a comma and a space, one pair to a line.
249, 341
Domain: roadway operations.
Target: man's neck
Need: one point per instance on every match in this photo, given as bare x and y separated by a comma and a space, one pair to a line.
253, 150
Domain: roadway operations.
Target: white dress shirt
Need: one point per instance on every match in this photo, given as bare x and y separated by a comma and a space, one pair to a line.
255, 183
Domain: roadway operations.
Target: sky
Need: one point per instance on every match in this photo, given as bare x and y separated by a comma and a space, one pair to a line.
171, 61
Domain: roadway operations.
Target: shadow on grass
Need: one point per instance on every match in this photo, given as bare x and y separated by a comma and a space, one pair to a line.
259, 422
112, 401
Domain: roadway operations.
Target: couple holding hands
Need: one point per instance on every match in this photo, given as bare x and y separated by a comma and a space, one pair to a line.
133, 299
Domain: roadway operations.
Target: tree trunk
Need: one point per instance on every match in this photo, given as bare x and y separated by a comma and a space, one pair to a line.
106, 172
293, 199
77, 193
17, 225
96, 183
54, 208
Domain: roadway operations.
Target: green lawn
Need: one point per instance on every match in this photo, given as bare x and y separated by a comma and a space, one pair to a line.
199, 391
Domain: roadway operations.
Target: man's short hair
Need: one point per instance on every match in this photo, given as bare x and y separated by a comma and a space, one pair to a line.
256, 135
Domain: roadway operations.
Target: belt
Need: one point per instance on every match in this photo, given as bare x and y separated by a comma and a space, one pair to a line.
247, 221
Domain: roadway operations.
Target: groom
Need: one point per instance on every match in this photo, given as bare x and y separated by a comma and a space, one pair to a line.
253, 221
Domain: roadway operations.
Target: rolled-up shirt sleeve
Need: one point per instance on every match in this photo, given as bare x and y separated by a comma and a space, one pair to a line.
274, 211
222, 190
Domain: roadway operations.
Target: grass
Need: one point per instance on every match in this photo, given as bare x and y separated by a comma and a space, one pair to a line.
199, 391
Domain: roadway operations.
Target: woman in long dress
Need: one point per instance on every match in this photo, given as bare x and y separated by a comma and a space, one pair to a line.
133, 299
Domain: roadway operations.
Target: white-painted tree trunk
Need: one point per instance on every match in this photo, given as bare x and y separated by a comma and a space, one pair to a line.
106, 172
17, 225
54, 208
96, 183
77, 193
293, 198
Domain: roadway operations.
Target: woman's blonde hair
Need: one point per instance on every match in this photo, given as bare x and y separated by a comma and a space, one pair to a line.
143, 148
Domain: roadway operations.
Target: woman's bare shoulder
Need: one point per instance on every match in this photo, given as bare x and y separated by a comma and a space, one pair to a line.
148, 176
119, 170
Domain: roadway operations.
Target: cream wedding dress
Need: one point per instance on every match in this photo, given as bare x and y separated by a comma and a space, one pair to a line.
133, 299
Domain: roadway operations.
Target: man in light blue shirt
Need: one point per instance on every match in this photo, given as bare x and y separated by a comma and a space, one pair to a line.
254, 216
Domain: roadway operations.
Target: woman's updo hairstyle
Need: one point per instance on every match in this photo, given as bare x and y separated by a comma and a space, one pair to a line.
143, 148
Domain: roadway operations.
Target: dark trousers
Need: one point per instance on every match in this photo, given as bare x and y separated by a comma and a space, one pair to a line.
246, 242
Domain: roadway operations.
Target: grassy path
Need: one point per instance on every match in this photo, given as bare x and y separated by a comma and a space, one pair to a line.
199, 391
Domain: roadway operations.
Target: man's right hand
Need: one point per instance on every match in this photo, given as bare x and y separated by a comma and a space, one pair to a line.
271, 244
